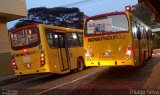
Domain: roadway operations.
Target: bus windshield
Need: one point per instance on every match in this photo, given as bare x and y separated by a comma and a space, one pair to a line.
109, 24
24, 38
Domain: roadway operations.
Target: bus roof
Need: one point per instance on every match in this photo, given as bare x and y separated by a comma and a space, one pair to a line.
105, 14
24, 27
63, 28
47, 26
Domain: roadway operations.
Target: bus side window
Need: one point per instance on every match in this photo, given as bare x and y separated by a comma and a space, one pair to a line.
61, 41
49, 37
147, 34
134, 29
144, 32
55, 41
150, 36
80, 39
72, 39
139, 32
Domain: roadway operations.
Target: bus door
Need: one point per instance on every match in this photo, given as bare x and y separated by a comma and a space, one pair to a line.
62, 50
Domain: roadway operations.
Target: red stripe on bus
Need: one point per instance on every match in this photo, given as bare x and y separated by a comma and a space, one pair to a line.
106, 14
25, 27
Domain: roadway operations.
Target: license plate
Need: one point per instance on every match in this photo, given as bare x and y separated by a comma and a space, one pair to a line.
26, 59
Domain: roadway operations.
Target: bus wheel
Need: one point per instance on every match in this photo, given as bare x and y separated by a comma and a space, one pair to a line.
80, 64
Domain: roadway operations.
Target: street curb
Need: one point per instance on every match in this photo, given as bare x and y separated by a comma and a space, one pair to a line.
11, 79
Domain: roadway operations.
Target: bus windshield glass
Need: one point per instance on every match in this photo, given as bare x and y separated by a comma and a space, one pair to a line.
24, 38
109, 24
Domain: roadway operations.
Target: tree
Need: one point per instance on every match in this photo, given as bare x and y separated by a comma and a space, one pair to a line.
23, 22
142, 12
58, 16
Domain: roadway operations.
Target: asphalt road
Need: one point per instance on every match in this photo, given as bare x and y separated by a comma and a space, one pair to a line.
144, 80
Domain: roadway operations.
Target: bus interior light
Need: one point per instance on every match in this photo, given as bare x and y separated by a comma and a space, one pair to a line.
30, 32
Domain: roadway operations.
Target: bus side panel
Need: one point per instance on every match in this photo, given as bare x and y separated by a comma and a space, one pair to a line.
137, 44
54, 61
141, 55
64, 60
144, 50
74, 54
52, 56
150, 45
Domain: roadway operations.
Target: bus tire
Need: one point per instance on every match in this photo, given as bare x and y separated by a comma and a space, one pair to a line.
80, 64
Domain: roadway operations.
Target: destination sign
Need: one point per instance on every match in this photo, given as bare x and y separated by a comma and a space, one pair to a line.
114, 37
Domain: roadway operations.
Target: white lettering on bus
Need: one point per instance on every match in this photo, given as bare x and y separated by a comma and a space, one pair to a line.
106, 38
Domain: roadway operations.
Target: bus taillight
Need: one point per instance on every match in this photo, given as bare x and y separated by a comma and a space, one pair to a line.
129, 52
14, 63
42, 59
128, 8
42, 55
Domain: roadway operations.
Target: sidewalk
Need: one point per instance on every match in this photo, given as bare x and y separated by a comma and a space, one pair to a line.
7, 79
12, 78
4, 80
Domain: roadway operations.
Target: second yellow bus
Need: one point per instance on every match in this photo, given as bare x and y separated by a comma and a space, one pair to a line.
116, 39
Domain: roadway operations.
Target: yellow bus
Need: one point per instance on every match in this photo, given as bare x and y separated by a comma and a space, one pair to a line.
46, 49
116, 39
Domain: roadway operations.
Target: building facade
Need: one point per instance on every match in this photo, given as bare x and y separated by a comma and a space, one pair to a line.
153, 6
9, 10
